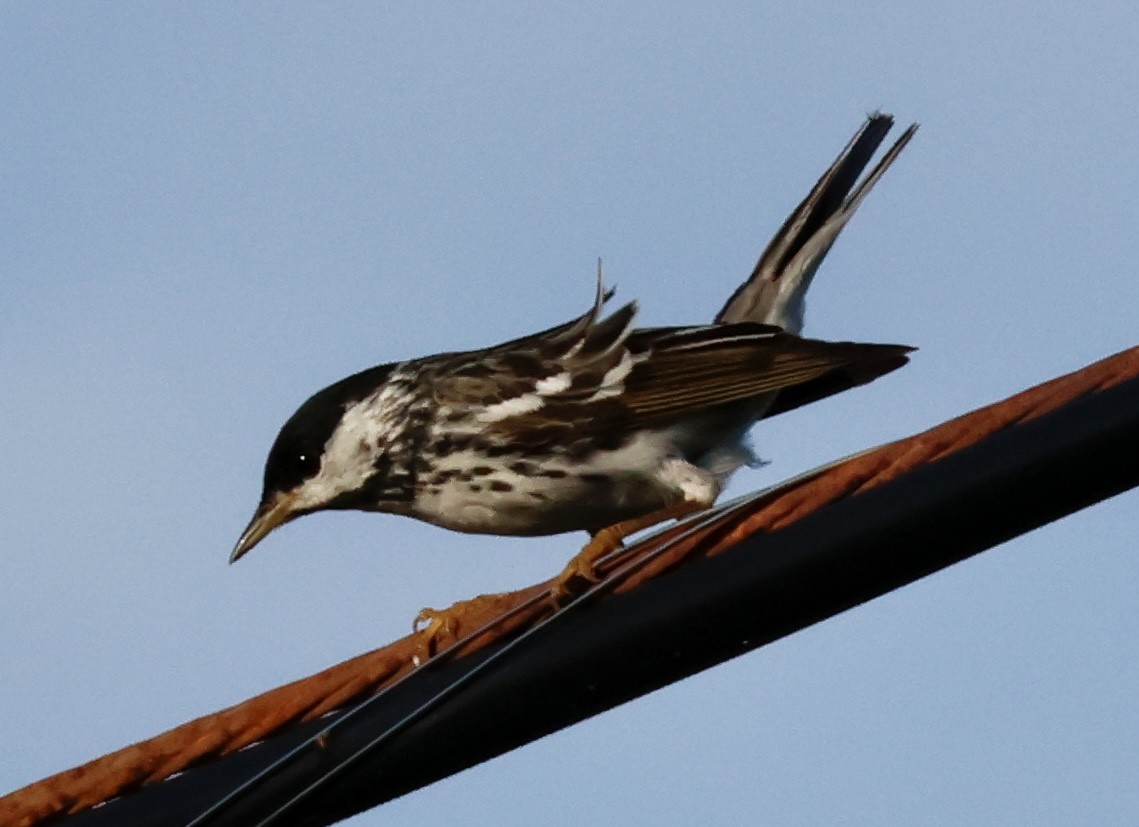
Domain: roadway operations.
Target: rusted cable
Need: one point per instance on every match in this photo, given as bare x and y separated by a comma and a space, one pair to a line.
224, 732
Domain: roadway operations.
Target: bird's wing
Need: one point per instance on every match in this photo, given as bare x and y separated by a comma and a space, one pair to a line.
597, 377
691, 369
571, 362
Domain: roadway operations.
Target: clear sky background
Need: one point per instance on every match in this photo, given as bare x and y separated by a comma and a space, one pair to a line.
208, 214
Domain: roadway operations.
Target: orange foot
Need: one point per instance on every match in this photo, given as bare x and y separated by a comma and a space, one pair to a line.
441, 628
581, 572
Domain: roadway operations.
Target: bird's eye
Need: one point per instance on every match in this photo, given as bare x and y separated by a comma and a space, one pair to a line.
290, 464
306, 463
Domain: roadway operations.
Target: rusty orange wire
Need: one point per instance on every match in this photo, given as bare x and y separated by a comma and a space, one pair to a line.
258, 718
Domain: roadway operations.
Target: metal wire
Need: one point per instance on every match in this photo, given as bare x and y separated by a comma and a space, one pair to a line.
694, 524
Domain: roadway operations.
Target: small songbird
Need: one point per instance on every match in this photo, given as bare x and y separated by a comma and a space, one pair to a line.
588, 424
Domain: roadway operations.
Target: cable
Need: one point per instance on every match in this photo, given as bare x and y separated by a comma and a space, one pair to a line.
691, 526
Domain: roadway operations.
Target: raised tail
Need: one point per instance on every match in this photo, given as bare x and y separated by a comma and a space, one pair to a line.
774, 292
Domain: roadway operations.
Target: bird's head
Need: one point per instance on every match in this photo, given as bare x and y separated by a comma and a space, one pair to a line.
326, 456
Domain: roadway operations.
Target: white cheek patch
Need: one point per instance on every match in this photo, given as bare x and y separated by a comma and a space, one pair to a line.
349, 455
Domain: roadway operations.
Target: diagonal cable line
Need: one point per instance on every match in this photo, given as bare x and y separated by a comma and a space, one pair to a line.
688, 526
874, 524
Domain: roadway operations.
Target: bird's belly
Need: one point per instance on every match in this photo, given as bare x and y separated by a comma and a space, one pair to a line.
520, 494
476, 493
505, 502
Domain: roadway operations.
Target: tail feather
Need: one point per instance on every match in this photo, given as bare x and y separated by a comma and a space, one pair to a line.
773, 293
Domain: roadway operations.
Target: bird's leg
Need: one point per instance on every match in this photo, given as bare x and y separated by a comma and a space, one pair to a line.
607, 540
435, 626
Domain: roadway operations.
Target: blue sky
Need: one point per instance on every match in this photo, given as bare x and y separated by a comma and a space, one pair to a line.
207, 214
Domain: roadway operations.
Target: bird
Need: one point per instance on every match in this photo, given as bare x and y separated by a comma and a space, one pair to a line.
593, 424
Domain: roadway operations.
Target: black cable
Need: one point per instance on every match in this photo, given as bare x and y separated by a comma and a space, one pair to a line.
694, 523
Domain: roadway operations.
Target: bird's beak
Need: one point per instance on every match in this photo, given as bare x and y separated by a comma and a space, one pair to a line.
270, 514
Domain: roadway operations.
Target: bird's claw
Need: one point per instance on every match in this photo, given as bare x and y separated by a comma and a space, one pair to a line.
581, 572
434, 626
